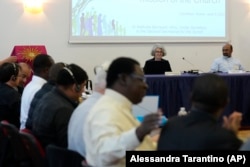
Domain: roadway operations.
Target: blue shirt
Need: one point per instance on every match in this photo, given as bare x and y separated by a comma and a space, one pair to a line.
225, 64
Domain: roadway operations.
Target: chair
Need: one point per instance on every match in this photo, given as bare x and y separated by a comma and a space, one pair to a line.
15, 154
5, 153
63, 157
34, 140
34, 149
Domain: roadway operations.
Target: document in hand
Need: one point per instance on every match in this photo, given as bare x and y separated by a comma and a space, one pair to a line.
148, 105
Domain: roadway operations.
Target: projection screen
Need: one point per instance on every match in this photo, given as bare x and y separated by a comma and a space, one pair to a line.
148, 21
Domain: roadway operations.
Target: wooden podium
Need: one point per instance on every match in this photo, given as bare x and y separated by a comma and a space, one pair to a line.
27, 53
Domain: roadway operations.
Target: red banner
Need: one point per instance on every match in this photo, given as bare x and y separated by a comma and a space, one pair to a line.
27, 53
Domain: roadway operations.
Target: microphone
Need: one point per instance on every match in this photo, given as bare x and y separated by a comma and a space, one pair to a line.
183, 58
190, 71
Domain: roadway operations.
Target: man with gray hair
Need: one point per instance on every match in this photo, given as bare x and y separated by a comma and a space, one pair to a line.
77, 120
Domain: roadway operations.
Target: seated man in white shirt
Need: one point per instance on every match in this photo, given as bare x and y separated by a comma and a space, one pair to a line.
226, 63
110, 128
78, 118
41, 66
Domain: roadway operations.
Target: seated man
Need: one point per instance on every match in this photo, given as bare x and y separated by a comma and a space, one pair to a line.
78, 118
110, 128
199, 130
10, 99
41, 66
51, 116
226, 62
25, 74
47, 87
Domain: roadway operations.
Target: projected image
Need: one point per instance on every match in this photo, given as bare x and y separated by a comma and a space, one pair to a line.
91, 18
148, 18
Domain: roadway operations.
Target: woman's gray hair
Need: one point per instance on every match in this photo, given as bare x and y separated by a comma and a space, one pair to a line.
160, 47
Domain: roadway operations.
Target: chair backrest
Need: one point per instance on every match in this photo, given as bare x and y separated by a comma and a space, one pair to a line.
16, 151
63, 157
34, 149
5, 153
34, 140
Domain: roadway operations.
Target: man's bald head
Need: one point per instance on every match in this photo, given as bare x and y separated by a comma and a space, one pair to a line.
24, 73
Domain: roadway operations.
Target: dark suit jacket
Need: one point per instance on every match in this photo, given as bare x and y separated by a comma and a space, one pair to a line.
10, 102
156, 67
51, 117
47, 87
196, 131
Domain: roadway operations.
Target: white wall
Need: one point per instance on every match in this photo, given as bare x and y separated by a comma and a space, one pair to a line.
52, 29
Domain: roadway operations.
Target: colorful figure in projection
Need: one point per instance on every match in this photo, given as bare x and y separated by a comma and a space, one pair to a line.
91, 20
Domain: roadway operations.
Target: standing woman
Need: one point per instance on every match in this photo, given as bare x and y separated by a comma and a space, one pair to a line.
157, 65
10, 99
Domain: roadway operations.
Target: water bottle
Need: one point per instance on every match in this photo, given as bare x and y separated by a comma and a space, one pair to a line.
182, 111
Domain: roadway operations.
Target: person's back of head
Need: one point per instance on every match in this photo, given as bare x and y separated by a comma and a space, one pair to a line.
210, 93
54, 70
41, 65
71, 74
72, 79
9, 72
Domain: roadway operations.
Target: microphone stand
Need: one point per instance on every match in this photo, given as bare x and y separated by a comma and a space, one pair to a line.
192, 71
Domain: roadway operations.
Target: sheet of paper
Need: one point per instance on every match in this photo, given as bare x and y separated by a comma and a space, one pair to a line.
148, 105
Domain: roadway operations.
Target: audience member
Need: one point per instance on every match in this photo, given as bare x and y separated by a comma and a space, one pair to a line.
157, 65
110, 128
51, 115
226, 62
25, 73
47, 87
10, 59
41, 66
78, 118
200, 130
10, 99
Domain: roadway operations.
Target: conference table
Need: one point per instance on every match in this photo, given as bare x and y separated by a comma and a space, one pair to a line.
174, 92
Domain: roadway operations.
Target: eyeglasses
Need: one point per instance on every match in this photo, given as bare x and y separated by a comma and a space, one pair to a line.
139, 77
158, 51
